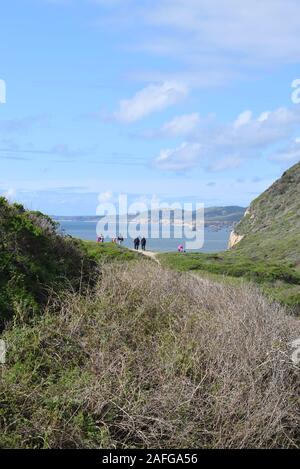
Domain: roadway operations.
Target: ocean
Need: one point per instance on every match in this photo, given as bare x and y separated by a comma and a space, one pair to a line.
214, 240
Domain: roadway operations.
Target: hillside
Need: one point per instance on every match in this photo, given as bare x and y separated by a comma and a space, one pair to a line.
226, 216
269, 248
271, 226
141, 363
36, 262
102, 354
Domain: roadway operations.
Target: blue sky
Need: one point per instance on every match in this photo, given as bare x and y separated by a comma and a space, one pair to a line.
177, 99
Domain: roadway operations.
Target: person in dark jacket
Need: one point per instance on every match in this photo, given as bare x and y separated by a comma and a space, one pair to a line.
136, 243
143, 243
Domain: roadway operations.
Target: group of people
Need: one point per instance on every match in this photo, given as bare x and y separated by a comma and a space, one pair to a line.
137, 242
116, 240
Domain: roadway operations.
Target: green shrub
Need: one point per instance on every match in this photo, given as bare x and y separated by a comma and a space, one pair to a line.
152, 359
34, 260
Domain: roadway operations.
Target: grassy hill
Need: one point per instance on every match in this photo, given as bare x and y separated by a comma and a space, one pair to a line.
271, 226
269, 252
107, 349
36, 262
151, 358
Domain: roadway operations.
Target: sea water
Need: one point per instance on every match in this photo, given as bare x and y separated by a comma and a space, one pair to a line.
214, 240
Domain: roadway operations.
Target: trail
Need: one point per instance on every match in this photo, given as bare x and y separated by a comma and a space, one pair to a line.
150, 254
153, 256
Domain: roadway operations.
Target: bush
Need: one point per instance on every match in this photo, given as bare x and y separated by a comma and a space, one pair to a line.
153, 359
234, 264
34, 260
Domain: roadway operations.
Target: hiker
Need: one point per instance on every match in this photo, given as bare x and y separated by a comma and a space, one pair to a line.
136, 243
100, 239
143, 243
120, 239
180, 248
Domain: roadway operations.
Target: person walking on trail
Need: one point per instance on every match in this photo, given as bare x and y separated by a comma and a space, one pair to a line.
143, 243
136, 243
120, 239
180, 248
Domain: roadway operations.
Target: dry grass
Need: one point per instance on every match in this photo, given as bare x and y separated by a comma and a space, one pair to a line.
153, 359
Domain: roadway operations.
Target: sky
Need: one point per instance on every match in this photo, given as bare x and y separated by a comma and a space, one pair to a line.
177, 100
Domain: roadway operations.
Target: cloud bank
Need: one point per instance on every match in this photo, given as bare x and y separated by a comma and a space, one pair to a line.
220, 147
152, 98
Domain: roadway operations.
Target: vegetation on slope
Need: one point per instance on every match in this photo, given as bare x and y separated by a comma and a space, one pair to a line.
280, 282
35, 261
269, 252
103, 352
108, 252
271, 227
179, 362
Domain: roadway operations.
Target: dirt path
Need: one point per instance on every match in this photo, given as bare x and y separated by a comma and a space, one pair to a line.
150, 254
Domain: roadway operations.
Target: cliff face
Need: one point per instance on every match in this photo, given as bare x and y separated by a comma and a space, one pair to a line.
279, 204
234, 239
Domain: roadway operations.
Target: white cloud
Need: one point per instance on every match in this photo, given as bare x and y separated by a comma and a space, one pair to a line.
268, 30
185, 125
213, 42
181, 125
250, 133
186, 156
153, 98
243, 119
10, 194
264, 116
227, 146
288, 155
